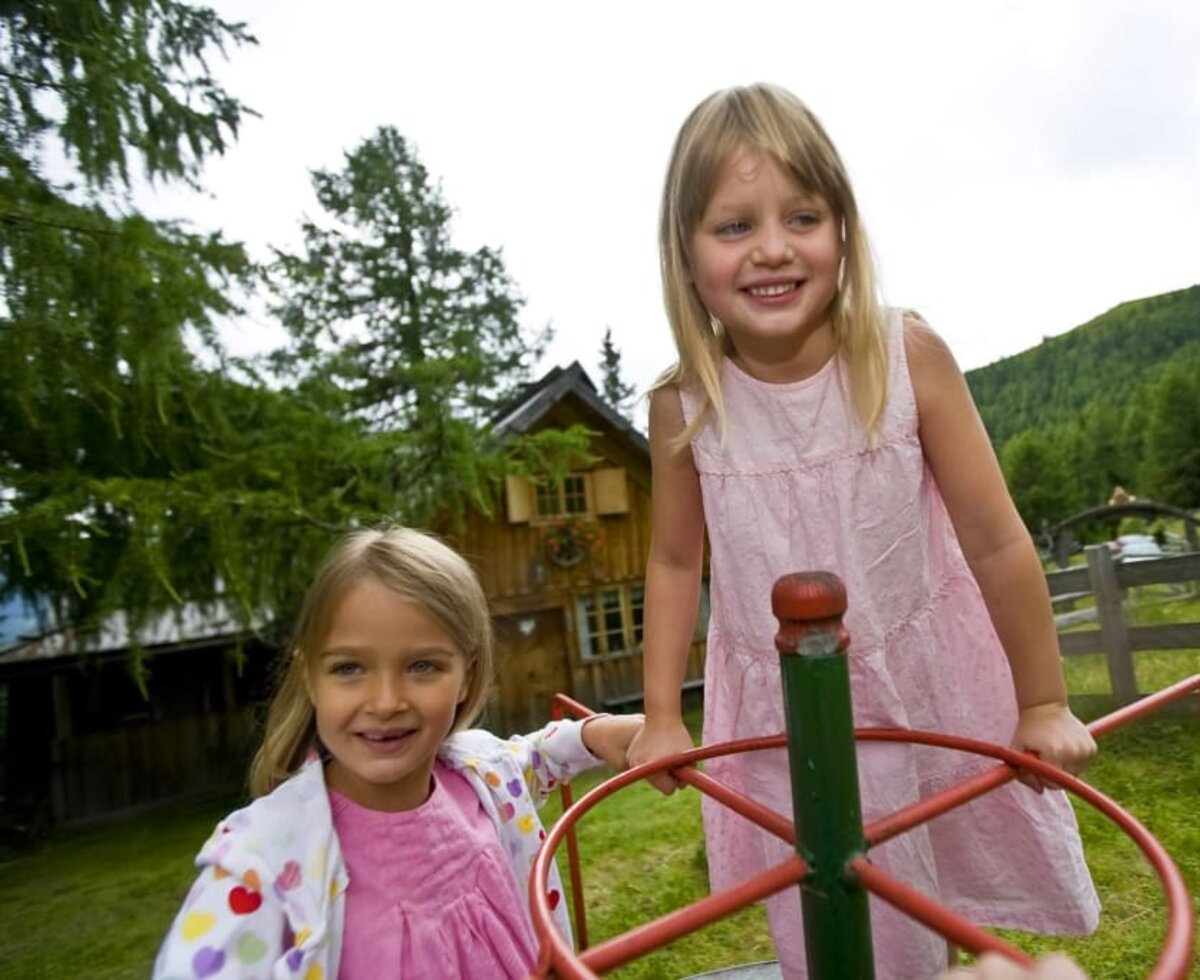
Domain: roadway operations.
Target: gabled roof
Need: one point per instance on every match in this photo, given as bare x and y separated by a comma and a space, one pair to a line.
537, 398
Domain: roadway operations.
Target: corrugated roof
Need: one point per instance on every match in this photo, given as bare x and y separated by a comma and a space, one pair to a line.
189, 624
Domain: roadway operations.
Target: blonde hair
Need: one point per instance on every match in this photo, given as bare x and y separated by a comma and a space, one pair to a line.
771, 120
416, 566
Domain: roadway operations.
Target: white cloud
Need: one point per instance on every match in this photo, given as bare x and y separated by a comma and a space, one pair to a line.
1023, 166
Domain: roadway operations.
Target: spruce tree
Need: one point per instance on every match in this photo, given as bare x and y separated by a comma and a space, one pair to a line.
617, 391
420, 338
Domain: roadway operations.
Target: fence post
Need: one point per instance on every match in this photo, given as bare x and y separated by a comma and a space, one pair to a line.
1114, 632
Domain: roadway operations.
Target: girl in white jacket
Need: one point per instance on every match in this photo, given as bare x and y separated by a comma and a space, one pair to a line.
386, 840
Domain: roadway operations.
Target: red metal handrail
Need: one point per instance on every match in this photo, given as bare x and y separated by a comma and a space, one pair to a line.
1173, 962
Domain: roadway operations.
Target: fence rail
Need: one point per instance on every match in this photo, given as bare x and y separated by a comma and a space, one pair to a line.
1108, 582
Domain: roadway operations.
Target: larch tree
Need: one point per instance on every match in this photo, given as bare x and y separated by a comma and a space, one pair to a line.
135, 475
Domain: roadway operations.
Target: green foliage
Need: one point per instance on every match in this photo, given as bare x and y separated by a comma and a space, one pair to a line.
113, 77
1112, 403
1036, 478
420, 339
381, 303
141, 468
1171, 469
108, 496
1107, 359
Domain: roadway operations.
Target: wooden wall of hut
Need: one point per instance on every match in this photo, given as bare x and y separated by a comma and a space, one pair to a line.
536, 601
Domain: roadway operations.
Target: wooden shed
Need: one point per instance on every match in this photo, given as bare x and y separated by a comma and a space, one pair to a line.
563, 563
80, 742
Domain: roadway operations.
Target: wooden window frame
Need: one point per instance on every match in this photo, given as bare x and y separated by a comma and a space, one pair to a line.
569, 497
590, 611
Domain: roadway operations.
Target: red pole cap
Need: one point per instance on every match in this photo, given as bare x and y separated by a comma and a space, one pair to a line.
809, 607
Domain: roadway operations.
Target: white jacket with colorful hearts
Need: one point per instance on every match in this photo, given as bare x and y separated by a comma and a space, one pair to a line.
269, 898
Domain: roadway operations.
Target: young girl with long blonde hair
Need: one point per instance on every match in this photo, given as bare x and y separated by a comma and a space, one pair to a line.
387, 839
807, 427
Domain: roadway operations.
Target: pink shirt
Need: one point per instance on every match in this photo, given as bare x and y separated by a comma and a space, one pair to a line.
431, 894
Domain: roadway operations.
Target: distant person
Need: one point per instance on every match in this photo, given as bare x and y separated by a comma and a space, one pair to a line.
806, 427
386, 839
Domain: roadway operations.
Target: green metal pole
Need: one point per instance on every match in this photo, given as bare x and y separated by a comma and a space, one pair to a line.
816, 694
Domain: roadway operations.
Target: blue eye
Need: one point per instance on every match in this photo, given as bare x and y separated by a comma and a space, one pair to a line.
345, 668
737, 227
425, 667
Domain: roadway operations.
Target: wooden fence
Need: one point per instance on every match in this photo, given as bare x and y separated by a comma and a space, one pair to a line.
1108, 581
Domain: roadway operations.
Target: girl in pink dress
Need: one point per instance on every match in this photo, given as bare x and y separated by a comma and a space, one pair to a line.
386, 840
806, 427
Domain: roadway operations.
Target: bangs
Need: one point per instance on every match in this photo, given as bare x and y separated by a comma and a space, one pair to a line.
762, 118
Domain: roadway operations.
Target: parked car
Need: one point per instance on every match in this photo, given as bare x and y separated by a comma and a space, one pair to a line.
1136, 547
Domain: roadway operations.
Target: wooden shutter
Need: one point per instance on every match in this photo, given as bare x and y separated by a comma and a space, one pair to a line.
518, 493
611, 491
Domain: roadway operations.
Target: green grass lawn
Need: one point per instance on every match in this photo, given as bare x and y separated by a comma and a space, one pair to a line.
96, 903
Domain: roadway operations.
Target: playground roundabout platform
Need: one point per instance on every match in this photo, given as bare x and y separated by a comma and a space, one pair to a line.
830, 864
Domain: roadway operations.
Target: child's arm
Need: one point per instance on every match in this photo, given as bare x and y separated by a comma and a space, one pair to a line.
672, 586
226, 928
607, 737
555, 754
998, 549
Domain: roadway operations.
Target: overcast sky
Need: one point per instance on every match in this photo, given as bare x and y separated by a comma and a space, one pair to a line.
1022, 165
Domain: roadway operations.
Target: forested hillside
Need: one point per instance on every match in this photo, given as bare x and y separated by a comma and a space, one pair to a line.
1115, 401
1110, 357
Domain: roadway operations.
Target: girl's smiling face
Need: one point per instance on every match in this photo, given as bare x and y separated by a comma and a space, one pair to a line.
764, 261
385, 686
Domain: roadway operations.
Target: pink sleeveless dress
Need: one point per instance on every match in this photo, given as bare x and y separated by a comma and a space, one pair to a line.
796, 487
431, 894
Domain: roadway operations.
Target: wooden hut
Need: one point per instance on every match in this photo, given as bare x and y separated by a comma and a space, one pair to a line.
563, 563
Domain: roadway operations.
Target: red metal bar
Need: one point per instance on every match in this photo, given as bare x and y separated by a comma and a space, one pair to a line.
940, 919
910, 816
559, 705
556, 954
770, 820
1102, 726
904, 819
641, 940
1174, 960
